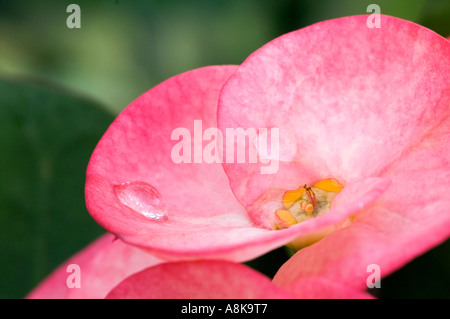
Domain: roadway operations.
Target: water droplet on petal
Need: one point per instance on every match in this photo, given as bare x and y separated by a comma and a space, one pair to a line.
142, 198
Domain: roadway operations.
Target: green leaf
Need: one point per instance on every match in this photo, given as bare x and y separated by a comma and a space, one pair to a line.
46, 138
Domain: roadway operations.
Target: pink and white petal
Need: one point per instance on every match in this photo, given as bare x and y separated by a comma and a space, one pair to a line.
421, 184
138, 147
101, 265
349, 100
197, 280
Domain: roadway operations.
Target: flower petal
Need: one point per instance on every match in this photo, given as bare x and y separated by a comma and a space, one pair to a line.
102, 265
349, 99
197, 280
204, 218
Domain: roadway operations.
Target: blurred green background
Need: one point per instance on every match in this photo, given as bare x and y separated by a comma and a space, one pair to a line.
60, 88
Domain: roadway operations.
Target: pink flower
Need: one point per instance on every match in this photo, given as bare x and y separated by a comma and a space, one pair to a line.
94, 271
112, 269
367, 107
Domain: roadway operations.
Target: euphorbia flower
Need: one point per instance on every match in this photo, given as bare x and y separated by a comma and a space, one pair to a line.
132, 167
100, 266
132, 164
367, 108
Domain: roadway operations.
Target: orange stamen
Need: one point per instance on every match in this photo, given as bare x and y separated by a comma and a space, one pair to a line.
311, 195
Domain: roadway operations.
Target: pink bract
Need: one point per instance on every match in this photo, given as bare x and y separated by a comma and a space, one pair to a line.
204, 218
102, 265
197, 280
369, 107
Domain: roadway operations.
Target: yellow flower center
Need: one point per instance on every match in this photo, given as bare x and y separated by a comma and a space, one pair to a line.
306, 202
